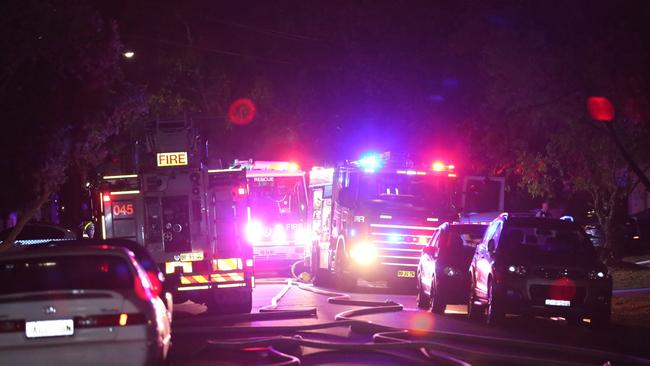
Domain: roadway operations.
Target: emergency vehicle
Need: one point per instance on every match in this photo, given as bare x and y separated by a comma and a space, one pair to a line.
371, 217
278, 227
190, 218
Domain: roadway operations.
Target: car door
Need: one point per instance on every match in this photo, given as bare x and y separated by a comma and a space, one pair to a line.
427, 262
482, 265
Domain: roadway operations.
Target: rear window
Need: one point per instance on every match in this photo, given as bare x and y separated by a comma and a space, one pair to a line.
559, 240
92, 272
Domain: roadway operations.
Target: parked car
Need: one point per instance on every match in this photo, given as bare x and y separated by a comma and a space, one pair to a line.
535, 266
442, 275
39, 234
144, 258
89, 305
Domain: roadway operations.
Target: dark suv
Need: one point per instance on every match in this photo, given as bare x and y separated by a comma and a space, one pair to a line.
442, 271
538, 266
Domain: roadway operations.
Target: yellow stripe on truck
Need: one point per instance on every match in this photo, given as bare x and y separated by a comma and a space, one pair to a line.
229, 264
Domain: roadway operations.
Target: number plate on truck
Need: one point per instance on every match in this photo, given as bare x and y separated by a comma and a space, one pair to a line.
409, 274
191, 257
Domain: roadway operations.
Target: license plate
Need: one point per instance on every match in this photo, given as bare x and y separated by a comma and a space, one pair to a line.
49, 328
409, 274
191, 257
554, 302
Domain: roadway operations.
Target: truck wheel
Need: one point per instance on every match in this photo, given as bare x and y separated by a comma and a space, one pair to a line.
345, 281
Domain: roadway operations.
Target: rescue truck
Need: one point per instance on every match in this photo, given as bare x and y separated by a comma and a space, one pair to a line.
190, 218
371, 217
278, 227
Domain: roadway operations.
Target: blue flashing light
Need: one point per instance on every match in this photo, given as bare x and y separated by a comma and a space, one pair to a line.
370, 163
394, 237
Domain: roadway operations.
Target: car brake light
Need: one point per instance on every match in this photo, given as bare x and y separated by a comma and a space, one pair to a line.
143, 287
156, 285
8, 326
109, 320
106, 197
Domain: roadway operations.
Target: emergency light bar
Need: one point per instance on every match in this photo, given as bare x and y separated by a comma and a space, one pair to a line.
267, 165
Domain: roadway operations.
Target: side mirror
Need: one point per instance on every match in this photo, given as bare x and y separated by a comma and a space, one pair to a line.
491, 246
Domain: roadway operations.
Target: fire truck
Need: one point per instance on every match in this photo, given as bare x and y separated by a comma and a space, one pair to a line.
190, 218
371, 217
278, 228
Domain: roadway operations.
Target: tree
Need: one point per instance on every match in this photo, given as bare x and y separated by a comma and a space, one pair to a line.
537, 67
63, 97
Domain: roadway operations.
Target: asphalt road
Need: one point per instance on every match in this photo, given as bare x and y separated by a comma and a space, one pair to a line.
548, 340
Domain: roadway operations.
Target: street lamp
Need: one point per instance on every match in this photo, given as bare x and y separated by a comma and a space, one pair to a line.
601, 109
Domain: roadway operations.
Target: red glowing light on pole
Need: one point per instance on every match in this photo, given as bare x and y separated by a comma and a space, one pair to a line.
242, 111
600, 109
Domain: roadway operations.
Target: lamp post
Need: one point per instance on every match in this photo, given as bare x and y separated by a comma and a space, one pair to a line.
601, 109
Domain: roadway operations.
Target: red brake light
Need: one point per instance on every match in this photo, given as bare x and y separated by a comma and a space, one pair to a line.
106, 197
241, 191
142, 287
8, 326
156, 285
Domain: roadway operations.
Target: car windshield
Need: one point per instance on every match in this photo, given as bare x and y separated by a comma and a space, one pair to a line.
460, 241
278, 197
415, 190
70, 272
543, 241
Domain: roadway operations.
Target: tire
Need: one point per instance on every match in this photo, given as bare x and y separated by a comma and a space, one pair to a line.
474, 312
494, 314
438, 302
423, 300
344, 281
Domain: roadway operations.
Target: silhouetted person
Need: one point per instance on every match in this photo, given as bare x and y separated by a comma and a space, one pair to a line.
545, 211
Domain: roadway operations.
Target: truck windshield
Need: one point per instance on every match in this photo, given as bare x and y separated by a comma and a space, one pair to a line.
421, 191
280, 198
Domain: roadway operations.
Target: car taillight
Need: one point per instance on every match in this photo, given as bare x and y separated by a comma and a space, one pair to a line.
142, 287
8, 326
156, 285
109, 320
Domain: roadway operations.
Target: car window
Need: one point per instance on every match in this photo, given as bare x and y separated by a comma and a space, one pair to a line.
461, 240
546, 240
69, 272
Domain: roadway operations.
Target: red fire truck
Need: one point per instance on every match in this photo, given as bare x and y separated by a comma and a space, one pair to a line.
278, 203
371, 217
191, 219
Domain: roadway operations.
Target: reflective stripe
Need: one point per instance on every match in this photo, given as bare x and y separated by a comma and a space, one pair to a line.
189, 288
229, 264
123, 193
227, 277
399, 264
125, 176
397, 257
405, 227
200, 279
185, 281
227, 285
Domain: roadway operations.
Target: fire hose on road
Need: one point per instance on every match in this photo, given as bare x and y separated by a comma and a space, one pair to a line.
385, 338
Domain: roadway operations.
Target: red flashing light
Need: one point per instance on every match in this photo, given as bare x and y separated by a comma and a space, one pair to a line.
600, 109
293, 167
438, 166
106, 197
241, 191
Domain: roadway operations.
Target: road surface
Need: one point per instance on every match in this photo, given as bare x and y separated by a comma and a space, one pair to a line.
455, 337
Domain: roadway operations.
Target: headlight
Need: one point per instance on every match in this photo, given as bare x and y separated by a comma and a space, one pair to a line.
597, 275
301, 236
254, 232
517, 270
450, 271
363, 253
